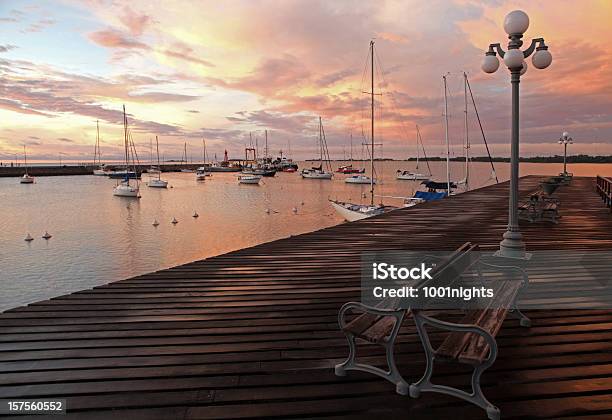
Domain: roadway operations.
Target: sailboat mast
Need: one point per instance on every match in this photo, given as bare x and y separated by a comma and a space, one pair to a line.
158, 165
125, 144
320, 143
266, 156
97, 148
446, 137
351, 135
417, 145
25, 159
467, 139
372, 123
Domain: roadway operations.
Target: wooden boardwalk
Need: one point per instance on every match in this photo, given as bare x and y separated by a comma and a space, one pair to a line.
253, 333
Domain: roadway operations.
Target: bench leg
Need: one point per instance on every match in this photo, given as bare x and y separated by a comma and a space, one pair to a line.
392, 375
425, 385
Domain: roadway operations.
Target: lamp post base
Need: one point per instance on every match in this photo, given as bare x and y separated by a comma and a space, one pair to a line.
512, 247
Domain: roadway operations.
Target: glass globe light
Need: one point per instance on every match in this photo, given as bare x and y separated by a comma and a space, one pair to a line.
541, 59
490, 64
565, 134
514, 58
516, 22
524, 69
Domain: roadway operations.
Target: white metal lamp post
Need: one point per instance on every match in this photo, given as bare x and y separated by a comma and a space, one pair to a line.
515, 25
565, 140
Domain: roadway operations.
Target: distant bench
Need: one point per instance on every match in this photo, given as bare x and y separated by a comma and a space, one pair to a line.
470, 341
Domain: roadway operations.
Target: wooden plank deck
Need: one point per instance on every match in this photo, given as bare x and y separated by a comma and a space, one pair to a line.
253, 333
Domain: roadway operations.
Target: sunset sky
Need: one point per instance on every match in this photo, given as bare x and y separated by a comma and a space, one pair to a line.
221, 69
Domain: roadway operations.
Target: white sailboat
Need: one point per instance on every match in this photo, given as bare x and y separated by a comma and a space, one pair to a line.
359, 179
26, 178
99, 170
317, 172
202, 172
351, 211
158, 183
415, 176
124, 188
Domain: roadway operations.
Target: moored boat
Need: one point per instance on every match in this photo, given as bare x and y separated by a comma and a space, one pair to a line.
359, 179
249, 179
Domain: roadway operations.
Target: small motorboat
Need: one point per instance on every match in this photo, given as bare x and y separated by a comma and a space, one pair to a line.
47, 235
202, 173
249, 179
359, 179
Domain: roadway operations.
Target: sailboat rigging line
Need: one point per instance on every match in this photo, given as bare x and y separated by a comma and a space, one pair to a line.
423, 147
481, 129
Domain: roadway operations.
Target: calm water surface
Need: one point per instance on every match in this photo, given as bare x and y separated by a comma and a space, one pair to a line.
99, 238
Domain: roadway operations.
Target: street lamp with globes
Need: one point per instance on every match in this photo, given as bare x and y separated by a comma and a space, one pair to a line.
515, 25
565, 140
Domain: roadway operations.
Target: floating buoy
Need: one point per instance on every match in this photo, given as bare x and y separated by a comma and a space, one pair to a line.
46, 235
302, 203
174, 221
155, 223
28, 238
294, 210
195, 214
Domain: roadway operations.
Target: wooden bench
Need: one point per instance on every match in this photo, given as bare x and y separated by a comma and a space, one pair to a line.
539, 208
380, 325
471, 340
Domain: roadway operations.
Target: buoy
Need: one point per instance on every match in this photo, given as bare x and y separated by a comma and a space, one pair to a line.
302, 203
195, 214
267, 211
155, 223
174, 221
46, 235
28, 238
294, 210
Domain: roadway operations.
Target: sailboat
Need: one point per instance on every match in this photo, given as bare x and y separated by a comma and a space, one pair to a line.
124, 188
158, 183
99, 168
317, 172
415, 176
26, 178
202, 172
185, 160
350, 211
348, 169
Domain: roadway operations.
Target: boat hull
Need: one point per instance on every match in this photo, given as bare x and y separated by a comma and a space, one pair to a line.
358, 180
123, 175
412, 177
126, 191
26, 179
353, 212
316, 175
249, 179
157, 183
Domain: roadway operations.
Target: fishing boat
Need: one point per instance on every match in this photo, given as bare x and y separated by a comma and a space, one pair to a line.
157, 182
26, 178
224, 166
99, 168
352, 211
415, 176
317, 172
124, 188
249, 179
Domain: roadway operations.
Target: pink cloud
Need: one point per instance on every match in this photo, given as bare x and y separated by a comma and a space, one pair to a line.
111, 38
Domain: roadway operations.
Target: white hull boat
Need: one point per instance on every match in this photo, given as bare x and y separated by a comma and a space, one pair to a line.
26, 179
353, 212
411, 176
249, 179
100, 172
126, 190
359, 179
316, 174
158, 183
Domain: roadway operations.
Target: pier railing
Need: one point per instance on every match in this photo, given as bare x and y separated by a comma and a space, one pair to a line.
604, 189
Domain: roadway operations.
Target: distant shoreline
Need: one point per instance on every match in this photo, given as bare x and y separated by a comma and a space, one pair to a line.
534, 159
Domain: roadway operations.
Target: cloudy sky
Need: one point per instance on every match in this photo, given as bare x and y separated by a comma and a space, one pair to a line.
221, 69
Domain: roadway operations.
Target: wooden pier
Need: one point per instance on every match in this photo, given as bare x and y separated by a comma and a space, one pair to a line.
254, 333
